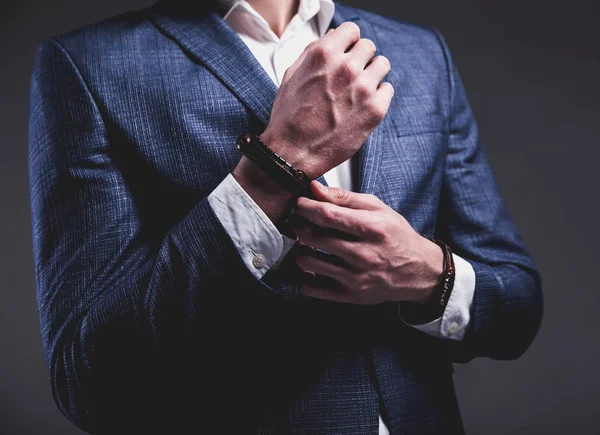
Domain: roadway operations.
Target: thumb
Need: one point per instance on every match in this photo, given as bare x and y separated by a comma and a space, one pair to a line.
293, 67
344, 197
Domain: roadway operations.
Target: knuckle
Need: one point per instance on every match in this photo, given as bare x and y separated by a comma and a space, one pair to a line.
370, 44
366, 259
346, 72
372, 263
372, 198
378, 232
389, 87
363, 229
372, 114
364, 91
369, 228
385, 62
377, 112
320, 53
330, 214
379, 229
352, 26
340, 194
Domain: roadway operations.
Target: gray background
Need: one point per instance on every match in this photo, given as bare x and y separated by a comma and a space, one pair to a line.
531, 70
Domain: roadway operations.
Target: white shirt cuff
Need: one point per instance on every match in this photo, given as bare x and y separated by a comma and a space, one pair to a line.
455, 320
255, 237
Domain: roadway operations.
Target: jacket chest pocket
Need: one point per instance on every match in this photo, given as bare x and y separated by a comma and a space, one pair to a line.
412, 167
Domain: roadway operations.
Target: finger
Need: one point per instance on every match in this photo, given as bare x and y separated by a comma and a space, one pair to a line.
344, 36
314, 236
318, 253
299, 223
377, 70
383, 96
294, 66
345, 198
362, 52
328, 215
323, 264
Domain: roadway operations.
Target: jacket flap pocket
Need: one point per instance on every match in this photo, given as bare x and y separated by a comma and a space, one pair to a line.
415, 125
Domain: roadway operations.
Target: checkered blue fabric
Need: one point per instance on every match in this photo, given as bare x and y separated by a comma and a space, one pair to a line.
150, 321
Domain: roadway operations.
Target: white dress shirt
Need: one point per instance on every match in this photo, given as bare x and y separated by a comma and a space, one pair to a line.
256, 238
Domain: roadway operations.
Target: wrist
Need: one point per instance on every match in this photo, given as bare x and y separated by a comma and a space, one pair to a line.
432, 270
431, 304
274, 200
298, 158
426, 306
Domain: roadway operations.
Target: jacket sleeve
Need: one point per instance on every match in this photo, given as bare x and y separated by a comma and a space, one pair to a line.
473, 219
112, 295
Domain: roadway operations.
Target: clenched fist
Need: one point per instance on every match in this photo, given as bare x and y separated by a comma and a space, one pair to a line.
329, 101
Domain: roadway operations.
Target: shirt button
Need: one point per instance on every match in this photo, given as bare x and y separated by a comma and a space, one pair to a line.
453, 327
259, 261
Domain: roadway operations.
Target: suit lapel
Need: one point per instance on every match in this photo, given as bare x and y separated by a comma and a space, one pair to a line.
205, 36
210, 40
369, 155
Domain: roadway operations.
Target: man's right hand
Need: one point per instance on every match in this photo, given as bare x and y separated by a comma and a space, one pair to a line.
329, 102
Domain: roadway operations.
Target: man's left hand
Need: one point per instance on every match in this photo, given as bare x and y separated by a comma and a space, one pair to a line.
375, 255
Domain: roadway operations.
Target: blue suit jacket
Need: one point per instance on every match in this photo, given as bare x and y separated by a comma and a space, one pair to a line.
151, 322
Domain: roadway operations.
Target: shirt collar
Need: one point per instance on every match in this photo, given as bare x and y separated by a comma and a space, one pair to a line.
307, 9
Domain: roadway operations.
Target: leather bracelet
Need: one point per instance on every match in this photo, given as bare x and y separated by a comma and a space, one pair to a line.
416, 313
441, 295
276, 167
